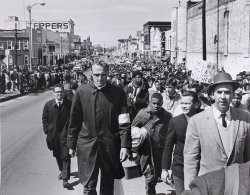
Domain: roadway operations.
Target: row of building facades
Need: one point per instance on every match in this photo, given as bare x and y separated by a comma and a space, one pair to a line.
48, 45
181, 39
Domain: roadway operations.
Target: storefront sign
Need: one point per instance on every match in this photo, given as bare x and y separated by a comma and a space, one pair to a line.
54, 26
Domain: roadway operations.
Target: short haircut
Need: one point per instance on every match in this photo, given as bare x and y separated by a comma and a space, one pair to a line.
192, 94
58, 85
102, 64
152, 79
157, 96
157, 81
246, 85
237, 94
137, 72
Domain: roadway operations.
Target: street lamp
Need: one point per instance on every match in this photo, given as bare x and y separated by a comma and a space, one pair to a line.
29, 8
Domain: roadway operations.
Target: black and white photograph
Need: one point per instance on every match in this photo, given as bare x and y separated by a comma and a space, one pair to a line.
125, 97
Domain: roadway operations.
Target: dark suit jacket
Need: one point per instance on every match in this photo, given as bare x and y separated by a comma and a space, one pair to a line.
214, 183
99, 127
176, 136
55, 124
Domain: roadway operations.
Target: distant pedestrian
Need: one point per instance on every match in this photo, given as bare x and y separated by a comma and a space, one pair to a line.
55, 120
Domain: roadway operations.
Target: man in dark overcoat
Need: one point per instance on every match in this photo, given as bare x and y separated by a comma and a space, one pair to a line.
155, 120
55, 119
137, 94
99, 131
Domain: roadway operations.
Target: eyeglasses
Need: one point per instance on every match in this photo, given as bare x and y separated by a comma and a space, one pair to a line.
58, 91
98, 75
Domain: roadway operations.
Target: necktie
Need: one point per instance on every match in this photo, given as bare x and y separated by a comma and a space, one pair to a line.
59, 104
135, 91
224, 123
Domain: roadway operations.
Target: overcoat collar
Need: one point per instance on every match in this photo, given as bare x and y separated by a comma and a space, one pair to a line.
94, 88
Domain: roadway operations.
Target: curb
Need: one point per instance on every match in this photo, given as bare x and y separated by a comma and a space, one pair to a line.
4, 99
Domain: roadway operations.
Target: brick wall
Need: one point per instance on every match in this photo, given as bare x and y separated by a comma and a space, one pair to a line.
234, 38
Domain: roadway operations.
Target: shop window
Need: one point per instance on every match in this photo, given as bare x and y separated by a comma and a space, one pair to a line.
25, 45
1, 46
9, 44
26, 60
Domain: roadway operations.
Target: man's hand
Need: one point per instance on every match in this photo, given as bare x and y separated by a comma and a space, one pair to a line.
72, 153
166, 176
124, 154
131, 97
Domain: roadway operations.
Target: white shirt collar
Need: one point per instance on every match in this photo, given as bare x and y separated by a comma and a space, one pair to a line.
58, 102
217, 113
100, 87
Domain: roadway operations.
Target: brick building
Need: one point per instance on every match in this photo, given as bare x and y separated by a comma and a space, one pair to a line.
227, 34
21, 57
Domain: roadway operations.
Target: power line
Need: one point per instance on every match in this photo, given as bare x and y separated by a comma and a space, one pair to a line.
117, 9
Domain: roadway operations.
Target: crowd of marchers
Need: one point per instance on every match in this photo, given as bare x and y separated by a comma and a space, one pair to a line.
24, 80
191, 135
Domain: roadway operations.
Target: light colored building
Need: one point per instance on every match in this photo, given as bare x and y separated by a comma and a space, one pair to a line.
178, 34
227, 34
51, 47
153, 40
77, 45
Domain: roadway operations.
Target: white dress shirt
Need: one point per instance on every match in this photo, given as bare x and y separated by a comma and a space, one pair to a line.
217, 116
58, 103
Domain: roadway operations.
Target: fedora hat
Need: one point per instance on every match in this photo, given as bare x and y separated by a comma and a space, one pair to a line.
222, 78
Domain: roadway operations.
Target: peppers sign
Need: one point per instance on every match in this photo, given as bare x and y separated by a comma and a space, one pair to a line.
54, 26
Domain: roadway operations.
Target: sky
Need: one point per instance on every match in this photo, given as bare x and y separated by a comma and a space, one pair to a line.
105, 21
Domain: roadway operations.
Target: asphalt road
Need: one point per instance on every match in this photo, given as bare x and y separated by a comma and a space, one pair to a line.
27, 166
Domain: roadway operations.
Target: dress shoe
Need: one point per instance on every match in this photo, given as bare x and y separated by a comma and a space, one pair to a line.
60, 176
66, 184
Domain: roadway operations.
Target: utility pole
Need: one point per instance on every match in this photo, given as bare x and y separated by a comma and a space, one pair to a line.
218, 33
29, 8
176, 40
204, 42
15, 65
60, 47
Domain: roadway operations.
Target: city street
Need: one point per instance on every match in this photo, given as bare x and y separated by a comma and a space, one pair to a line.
28, 167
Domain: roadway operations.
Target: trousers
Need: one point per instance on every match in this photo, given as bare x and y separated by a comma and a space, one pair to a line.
106, 183
150, 180
64, 167
179, 185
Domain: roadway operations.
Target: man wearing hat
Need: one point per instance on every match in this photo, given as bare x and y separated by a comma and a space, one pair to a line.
247, 79
218, 136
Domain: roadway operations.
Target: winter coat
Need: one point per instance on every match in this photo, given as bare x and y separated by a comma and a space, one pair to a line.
55, 125
153, 146
99, 126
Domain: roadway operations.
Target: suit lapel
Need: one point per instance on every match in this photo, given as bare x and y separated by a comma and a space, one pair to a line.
235, 123
184, 119
214, 129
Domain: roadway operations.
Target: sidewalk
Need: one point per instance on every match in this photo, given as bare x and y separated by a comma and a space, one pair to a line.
15, 94
10, 95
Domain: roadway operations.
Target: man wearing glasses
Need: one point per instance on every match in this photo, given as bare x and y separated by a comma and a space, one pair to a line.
55, 120
99, 131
